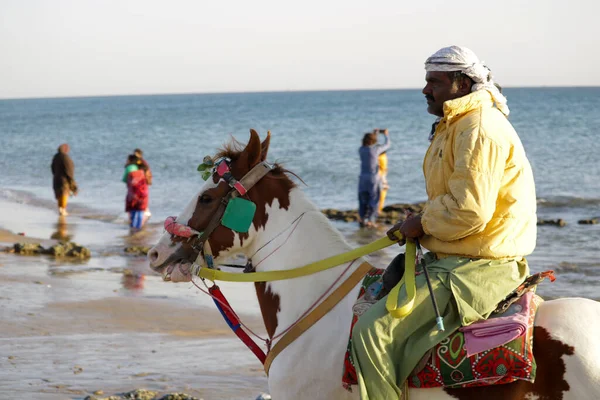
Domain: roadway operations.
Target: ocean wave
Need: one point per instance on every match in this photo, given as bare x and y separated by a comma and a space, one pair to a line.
590, 269
567, 202
31, 199
25, 197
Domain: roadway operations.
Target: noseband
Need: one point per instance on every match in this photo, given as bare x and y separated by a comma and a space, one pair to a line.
234, 212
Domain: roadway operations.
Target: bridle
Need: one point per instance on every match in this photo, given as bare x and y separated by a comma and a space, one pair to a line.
235, 212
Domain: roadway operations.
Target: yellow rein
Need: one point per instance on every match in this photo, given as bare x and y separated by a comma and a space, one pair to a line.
397, 311
408, 280
268, 276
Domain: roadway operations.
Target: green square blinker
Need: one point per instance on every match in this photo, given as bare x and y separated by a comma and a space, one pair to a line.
239, 214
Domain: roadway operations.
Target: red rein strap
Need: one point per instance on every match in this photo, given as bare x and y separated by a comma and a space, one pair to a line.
234, 322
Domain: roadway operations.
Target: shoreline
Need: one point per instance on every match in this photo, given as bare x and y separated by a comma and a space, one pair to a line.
68, 335
71, 327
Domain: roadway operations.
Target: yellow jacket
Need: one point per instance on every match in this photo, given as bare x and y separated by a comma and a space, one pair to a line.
480, 185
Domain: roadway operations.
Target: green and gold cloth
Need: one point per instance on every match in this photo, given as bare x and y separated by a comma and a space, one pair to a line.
385, 349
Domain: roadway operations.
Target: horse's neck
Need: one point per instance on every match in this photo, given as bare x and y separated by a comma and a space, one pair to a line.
312, 364
313, 239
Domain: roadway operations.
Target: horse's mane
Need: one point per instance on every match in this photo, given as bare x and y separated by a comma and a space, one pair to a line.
234, 148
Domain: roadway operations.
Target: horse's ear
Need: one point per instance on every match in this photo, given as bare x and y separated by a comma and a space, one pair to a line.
251, 155
265, 146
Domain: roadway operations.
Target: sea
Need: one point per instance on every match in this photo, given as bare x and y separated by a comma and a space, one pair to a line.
314, 134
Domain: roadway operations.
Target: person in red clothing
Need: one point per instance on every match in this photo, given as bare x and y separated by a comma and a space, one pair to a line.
136, 201
140, 154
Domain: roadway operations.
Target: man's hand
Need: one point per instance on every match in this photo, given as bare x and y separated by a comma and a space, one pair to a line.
395, 230
412, 227
409, 228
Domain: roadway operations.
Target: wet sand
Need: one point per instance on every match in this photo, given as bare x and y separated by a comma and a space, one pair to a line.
70, 328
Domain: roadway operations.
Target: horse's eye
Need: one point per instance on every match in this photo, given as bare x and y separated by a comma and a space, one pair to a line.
204, 199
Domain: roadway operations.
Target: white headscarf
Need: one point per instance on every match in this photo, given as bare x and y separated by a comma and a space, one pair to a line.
456, 58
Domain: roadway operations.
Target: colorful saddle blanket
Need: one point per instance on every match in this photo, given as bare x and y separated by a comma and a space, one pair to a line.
448, 365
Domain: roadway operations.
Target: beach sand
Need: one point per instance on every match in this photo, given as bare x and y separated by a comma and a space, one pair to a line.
70, 328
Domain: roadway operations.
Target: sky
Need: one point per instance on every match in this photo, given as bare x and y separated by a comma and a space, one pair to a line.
59, 48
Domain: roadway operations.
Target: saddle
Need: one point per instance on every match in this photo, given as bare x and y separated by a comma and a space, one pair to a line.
504, 349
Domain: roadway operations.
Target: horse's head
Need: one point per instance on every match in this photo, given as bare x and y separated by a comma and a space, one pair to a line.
230, 208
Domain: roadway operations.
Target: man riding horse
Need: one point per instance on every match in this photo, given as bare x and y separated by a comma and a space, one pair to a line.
479, 223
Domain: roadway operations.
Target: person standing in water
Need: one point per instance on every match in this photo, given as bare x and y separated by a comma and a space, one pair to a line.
369, 183
63, 181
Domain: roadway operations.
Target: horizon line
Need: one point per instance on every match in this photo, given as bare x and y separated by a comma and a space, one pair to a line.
91, 96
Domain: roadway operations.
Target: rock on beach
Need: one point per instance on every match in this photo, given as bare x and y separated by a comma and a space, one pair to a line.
137, 250
554, 222
143, 394
389, 215
63, 249
591, 221
395, 213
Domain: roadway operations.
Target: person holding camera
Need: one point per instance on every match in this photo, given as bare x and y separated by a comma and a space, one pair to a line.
369, 182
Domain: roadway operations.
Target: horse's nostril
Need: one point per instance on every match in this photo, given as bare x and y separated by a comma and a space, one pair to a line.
152, 256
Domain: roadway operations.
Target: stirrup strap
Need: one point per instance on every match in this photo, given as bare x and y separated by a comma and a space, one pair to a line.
315, 315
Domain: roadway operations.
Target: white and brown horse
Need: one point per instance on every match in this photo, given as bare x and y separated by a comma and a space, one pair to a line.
567, 332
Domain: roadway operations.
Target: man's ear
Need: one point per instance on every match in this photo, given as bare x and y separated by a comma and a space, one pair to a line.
464, 87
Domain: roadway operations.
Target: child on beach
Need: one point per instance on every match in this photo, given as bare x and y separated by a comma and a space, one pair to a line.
136, 201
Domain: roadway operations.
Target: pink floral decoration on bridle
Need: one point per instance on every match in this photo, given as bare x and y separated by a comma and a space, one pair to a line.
181, 230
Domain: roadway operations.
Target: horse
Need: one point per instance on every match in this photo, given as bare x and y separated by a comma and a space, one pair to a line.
287, 231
